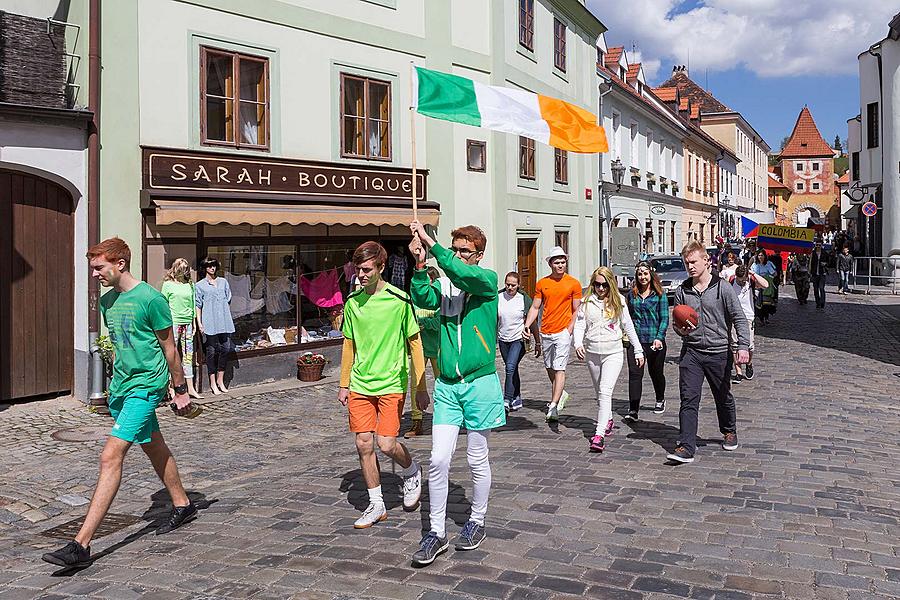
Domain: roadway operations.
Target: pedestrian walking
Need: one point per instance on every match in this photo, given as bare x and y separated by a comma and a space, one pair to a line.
800, 276
178, 290
726, 270
749, 254
705, 351
381, 335
844, 267
744, 283
602, 321
429, 329
216, 325
649, 309
559, 295
818, 270
513, 306
140, 327
468, 393
766, 298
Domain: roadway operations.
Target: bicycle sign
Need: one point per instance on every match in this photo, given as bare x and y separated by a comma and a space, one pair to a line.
869, 209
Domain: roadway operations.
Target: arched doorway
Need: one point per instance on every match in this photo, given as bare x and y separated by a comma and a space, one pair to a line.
36, 286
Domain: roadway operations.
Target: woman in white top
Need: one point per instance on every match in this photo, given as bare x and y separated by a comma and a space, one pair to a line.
512, 307
602, 318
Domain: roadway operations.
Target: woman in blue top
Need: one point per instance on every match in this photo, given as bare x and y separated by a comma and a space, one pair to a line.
216, 324
649, 310
766, 299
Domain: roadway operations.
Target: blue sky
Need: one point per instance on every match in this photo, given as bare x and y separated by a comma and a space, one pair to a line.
764, 58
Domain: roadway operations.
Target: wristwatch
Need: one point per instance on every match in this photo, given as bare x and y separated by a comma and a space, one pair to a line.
181, 389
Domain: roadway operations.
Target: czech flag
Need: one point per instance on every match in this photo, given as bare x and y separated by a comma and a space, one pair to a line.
750, 228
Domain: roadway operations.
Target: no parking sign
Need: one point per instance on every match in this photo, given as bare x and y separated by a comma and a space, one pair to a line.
869, 209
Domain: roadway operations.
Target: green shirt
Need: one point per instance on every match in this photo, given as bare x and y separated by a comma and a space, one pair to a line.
379, 325
180, 297
133, 318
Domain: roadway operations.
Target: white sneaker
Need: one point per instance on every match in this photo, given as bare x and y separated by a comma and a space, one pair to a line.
552, 413
374, 513
562, 401
412, 491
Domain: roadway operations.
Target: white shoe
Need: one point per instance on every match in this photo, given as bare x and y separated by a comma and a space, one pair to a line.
412, 491
374, 513
562, 401
552, 413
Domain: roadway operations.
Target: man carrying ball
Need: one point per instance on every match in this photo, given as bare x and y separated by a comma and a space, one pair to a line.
705, 349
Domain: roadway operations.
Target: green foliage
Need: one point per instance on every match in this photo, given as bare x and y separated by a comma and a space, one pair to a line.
841, 164
106, 350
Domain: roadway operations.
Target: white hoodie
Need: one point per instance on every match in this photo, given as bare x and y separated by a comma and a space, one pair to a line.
600, 335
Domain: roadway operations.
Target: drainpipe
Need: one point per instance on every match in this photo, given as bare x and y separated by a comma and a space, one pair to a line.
875, 50
604, 201
97, 371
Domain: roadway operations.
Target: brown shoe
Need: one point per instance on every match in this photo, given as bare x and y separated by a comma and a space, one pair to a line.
416, 429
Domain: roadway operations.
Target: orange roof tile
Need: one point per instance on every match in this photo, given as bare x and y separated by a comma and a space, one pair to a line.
706, 101
633, 70
775, 184
805, 140
666, 94
845, 178
685, 104
611, 60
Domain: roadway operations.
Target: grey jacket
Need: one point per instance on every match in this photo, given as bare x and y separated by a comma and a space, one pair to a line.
718, 308
845, 262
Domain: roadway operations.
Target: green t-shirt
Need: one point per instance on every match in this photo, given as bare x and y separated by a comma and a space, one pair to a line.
180, 297
380, 325
430, 325
133, 318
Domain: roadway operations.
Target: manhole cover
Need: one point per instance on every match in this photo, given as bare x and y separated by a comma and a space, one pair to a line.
80, 434
111, 523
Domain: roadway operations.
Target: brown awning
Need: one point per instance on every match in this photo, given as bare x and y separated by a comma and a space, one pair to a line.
252, 213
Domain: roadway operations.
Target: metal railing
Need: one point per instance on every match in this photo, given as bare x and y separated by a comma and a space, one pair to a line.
876, 274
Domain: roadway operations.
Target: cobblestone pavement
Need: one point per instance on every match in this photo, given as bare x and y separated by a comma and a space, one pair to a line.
807, 507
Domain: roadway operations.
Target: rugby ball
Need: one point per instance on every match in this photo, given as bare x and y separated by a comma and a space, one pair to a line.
683, 315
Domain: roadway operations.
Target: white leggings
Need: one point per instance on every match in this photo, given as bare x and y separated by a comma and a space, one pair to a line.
604, 370
443, 440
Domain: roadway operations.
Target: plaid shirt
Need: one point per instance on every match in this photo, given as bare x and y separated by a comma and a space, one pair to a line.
650, 316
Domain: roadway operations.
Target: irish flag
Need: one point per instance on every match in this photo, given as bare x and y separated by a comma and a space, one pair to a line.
541, 118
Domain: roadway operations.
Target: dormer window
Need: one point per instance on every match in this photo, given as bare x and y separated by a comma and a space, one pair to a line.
640, 87
622, 73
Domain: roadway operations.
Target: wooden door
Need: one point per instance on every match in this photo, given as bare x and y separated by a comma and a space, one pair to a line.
527, 268
36, 287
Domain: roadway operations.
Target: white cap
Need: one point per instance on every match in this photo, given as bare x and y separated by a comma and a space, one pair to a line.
556, 252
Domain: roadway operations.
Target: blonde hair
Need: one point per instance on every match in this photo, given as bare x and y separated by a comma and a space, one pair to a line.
691, 247
180, 271
613, 302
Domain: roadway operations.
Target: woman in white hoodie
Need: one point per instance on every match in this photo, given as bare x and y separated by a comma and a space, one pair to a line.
602, 318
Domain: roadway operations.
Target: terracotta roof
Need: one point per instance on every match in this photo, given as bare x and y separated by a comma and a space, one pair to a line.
703, 99
685, 104
695, 112
805, 140
611, 60
666, 94
640, 97
633, 70
775, 184
845, 178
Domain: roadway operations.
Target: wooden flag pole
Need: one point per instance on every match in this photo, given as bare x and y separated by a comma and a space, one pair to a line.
412, 135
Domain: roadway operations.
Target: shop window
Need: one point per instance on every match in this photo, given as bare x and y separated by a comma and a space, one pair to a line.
234, 99
561, 166
559, 45
365, 118
476, 156
160, 258
526, 24
632, 222
526, 158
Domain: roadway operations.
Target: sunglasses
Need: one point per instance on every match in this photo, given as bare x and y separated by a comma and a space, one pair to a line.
601, 284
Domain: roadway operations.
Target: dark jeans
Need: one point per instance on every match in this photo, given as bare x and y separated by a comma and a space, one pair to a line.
512, 353
801, 286
818, 282
716, 370
217, 348
655, 361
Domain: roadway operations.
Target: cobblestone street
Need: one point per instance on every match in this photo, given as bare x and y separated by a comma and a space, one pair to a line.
807, 508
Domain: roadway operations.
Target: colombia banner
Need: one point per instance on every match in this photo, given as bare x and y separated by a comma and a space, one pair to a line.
785, 239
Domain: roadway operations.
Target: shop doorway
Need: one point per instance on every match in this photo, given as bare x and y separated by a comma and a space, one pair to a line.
36, 287
527, 260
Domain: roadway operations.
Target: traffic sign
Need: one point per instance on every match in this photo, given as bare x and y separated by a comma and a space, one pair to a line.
869, 209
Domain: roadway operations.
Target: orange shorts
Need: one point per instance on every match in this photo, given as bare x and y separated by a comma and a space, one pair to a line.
380, 414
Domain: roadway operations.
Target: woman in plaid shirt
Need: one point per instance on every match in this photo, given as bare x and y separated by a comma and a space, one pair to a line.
649, 310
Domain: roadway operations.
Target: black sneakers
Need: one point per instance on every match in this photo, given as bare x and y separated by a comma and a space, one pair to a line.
631, 417
180, 515
660, 407
72, 555
729, 442
748, 371
681, 455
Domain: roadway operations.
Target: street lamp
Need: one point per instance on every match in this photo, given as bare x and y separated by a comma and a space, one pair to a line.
618, 176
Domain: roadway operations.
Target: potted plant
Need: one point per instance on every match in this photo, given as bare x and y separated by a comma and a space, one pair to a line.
310, 366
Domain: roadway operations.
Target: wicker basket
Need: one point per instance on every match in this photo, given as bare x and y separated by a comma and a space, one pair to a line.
310, 372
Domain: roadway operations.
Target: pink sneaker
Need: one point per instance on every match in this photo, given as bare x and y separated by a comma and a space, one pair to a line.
597, 444
609, 427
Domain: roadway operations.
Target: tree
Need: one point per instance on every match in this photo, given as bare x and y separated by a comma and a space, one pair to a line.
785, 141
837, 144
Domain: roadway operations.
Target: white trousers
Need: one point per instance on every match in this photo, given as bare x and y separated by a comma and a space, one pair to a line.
604, 370
443, 440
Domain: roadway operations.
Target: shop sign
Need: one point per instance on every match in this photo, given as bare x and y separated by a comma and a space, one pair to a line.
174, 170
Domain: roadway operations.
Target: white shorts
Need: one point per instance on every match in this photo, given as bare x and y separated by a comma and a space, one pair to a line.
732, 336
555, 348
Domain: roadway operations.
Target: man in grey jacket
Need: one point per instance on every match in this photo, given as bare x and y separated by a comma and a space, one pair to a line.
704, 350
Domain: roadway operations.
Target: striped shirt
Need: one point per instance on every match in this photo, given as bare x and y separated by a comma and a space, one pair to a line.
650, 316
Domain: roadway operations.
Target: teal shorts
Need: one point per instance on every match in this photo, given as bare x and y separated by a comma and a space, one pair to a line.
135, 415
476, 405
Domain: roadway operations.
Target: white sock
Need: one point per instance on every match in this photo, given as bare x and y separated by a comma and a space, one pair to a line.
375, 496
411, 470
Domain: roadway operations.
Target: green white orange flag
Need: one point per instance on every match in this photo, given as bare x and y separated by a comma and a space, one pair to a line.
541, 118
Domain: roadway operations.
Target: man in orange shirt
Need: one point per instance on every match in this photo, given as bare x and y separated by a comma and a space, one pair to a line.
559, 294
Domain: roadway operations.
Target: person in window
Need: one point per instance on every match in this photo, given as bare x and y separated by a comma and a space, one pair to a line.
178, 290
216, 324
399, 273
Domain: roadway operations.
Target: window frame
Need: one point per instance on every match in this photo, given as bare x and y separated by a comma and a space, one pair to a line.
476, 144
815, 186
560, 166
527, 146
236, 57
816, 167
872, 126
800, 186
343, 76
526, 24
560, 57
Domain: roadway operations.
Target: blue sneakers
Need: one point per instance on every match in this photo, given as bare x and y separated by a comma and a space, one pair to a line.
429, 549
470, 537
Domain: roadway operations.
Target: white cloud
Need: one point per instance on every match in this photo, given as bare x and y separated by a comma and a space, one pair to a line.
772, 38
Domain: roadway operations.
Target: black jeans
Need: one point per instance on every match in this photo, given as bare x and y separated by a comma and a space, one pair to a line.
819, 289
655, 361
217, 348
512, 353
801, 286
716, 370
